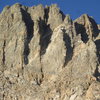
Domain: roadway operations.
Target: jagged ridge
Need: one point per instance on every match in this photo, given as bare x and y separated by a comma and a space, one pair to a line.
44, 55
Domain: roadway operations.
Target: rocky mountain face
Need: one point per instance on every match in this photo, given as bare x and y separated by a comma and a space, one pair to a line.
44, 55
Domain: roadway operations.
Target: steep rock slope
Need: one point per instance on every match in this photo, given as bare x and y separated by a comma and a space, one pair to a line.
44, 55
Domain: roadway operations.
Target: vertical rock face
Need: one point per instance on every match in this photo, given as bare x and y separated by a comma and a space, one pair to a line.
44, 55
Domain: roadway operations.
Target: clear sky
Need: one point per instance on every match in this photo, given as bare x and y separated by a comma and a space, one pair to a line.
73, 7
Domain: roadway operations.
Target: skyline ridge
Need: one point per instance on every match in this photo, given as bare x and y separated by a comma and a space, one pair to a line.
73, 8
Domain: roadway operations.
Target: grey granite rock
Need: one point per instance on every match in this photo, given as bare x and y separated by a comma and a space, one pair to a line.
44, 55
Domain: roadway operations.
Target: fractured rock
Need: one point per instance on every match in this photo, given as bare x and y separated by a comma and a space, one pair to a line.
44, 55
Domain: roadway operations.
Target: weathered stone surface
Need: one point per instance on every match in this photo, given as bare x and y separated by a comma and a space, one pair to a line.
44, 55
93, 93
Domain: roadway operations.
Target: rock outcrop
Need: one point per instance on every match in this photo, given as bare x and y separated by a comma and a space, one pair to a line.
44, 55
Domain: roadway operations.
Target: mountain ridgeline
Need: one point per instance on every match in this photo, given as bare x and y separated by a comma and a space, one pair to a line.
45, 55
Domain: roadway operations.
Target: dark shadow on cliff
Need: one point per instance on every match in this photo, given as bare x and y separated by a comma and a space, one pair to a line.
97, 73
80, 29
63, 16
29, 25
46, 16
94, 27
69, 49
45, 31
97, 42
45, 36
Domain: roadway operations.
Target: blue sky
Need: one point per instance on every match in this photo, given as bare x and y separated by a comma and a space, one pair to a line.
73, 7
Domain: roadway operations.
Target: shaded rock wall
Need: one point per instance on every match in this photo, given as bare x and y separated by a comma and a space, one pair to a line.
44, 55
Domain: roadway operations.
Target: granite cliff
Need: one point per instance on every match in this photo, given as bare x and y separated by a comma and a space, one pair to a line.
44, 55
